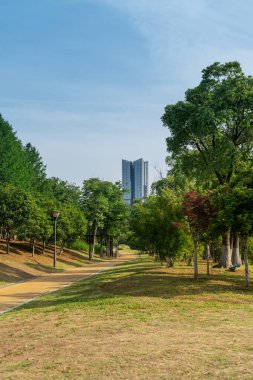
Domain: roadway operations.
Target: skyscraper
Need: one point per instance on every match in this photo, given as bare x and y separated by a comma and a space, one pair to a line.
135, 180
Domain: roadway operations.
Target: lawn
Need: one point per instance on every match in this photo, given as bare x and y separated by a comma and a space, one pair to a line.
136, 321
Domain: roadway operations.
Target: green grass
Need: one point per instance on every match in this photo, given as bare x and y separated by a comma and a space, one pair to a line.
80, 245
136, 321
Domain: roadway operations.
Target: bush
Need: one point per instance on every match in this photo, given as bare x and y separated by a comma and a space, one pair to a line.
80, 245
97, 249
124, 247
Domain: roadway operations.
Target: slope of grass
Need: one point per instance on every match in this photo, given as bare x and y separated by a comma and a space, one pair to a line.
136, 321
19, 265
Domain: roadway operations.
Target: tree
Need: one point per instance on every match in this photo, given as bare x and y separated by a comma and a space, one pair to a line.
38, 227
211, 130
116, 217
15, 209
62, 191
95, 205
14, 165
158, 226
198, 210
103, 206
37, 168
72, 225
236, 213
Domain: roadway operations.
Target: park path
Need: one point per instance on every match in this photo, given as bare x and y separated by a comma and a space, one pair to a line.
15, 295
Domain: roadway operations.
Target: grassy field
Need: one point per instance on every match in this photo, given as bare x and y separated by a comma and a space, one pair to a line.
136, 321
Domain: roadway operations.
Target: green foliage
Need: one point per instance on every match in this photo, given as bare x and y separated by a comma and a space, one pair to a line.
124, 247
95, 201
157, 225
39, 224
104, 207
235, 209
62, 191
211, 130
37, 168
15, 168
80, 245
71, 225
15, 208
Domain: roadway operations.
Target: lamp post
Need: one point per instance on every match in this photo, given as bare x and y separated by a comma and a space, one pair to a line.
55, 215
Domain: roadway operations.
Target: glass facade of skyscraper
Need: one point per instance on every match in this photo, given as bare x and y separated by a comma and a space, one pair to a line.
135, 180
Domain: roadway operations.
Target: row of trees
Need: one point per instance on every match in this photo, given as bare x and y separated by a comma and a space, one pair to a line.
210, 184
27, 198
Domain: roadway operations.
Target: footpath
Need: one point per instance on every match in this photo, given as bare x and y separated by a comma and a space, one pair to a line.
18, 294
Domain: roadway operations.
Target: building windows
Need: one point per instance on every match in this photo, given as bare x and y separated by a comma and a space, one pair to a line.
135, 180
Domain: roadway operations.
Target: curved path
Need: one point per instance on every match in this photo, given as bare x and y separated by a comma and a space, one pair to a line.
18, 294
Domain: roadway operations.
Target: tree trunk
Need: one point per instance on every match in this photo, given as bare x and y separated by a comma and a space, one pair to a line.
226, 252
216, 252
171, 262
108, 246
101, 246
61, 249
189, 261
94, 242
231, 243
33, 248
111, 247
90, 254
7, 244
245, 254
236, 257
195, 259
207, 259
44, 247
117, 249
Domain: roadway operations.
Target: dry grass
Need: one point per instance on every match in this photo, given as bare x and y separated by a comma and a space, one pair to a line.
136, 321
20, 265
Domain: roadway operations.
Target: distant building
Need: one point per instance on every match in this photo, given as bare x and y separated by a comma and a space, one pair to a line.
135, 180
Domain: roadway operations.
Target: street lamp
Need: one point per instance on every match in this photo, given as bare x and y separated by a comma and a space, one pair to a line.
55, 215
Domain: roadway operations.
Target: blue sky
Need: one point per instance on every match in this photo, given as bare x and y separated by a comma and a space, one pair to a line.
86, 81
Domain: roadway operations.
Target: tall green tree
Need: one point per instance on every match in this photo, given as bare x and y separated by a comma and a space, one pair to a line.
37, 168
157, 226
38, 227
199, 210
95, 205
62, 191
15, 210
211, 130
14, 165
116, 217
71, 225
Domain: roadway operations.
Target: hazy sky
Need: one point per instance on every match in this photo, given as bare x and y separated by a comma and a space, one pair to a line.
86, 81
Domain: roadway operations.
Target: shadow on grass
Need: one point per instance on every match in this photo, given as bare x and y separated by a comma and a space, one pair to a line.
10, 274
147, 280
44, 268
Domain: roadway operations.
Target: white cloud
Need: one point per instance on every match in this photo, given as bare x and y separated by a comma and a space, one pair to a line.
185, 36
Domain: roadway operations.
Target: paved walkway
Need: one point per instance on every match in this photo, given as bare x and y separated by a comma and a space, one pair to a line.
15, 295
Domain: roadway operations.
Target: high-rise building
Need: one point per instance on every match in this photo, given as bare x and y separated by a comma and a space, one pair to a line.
135, 180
